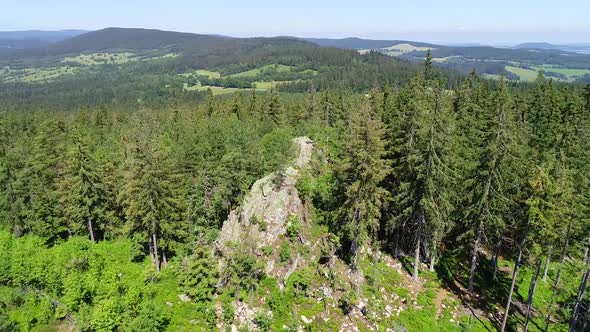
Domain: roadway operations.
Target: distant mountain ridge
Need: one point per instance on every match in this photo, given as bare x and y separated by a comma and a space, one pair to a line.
359, 43
582, 48
135, 39
521, 62
11, 41
49, 36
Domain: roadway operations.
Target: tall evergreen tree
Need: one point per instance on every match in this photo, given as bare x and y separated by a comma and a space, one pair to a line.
489, 199
363, 170
422, 166
41, 177
85, 196
148, 196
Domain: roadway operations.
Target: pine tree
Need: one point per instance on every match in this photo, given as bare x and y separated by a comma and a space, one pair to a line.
363, 170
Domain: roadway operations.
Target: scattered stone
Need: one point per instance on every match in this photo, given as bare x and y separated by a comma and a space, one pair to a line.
170, 304
184, 298
306, 320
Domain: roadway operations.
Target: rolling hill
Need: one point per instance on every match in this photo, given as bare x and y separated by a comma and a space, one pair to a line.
11, 41
142, 65
583, 48
522, 62
359, 44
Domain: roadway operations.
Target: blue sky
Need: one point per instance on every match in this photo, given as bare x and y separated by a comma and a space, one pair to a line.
450, 21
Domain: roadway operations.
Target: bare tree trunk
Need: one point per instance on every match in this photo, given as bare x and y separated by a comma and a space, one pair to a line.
474, 253
432, 258
546, 271
417, 250
90, 230
529, 302
586, 318
156, 257
514, 275
416, 260
495, 260
581, 291
558, 276
164, 259
396, 250
151, 247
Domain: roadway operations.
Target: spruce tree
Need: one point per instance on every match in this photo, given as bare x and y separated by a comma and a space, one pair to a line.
151, 207
274, 108
85, 196
362, 172
422, 166
490, 183
41, 177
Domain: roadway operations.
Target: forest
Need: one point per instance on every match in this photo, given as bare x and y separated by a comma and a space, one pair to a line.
111, 209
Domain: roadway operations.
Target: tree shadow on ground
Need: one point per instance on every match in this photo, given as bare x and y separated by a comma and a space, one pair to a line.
489, 294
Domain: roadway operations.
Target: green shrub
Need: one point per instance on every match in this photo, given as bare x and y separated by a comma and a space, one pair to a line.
346, 301
263, 321
285, 252
256, 220
228, 313
300, 280
293, 226
197, 275
262, 225
267, 250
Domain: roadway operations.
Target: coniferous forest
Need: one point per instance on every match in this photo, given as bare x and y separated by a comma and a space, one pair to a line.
439, 202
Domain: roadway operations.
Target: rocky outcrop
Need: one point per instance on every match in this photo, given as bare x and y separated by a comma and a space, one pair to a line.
262, 217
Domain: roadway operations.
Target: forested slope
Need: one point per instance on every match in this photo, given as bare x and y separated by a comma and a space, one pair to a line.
426, 206
134, 68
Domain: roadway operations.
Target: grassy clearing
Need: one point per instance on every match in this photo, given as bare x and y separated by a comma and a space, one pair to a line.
165, 56
407, 48
35, 74
215, 89
453, 58
258, 71
208, 73
526, 75
102, 58
569, 72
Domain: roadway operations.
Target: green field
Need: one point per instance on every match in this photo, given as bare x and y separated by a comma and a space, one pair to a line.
526, 75
101, 58
258, 71
208, 73
529, 75
217, 90
35, 74
569, 72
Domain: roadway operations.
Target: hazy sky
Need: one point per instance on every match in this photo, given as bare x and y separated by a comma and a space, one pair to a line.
459, 21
